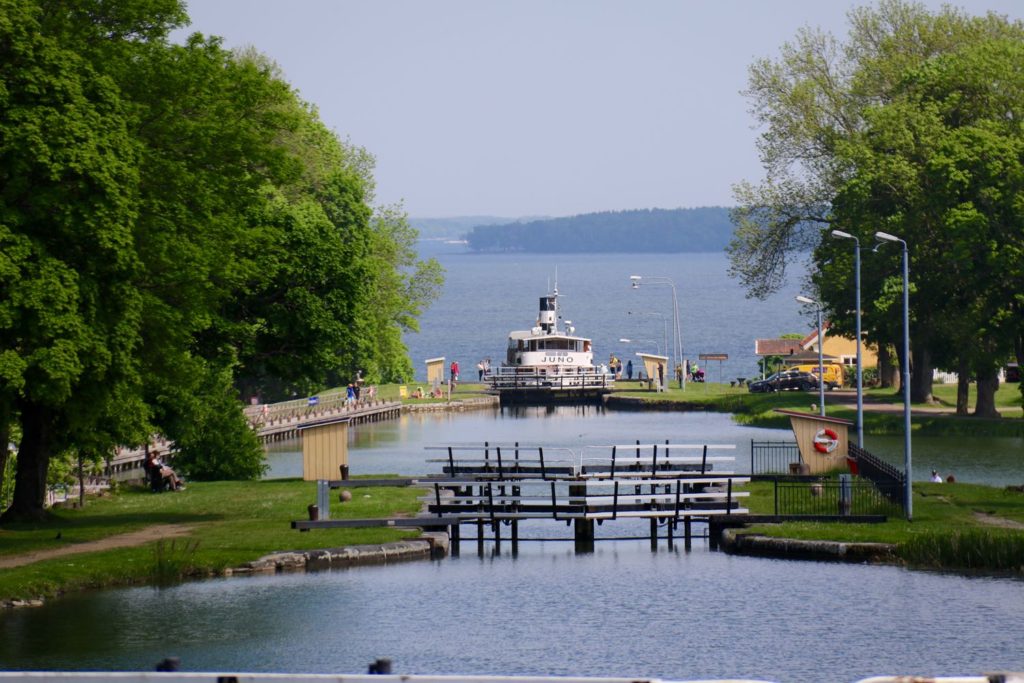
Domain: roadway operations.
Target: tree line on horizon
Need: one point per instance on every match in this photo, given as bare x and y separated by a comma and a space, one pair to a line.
179, 232
702, 229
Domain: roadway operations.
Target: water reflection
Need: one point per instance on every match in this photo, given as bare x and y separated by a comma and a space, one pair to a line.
622, 611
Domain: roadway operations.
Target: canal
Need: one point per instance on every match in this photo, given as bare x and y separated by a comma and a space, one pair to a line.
620, 611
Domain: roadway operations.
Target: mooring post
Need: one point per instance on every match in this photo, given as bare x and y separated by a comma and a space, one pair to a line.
480, 536
515, 537
584, 535
454, 536
687, 532
668, 528
654, 534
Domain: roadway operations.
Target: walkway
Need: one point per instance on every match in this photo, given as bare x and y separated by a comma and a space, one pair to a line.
126, 540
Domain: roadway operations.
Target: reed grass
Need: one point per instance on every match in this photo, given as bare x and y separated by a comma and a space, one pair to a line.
986, 550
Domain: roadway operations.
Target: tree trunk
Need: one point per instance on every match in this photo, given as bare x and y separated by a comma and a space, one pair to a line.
33, 462
921, 376
988, 383
963, 387
5, 439
886, 369
1018, 349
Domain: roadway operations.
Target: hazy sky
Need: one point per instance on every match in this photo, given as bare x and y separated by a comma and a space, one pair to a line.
533, 107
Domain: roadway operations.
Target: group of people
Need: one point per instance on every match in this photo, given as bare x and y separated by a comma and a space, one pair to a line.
937, 478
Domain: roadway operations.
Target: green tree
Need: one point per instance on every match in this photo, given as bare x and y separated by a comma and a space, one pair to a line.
874, 134
174, 223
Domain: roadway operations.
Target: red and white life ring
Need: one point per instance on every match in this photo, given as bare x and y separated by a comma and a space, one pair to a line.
826, 440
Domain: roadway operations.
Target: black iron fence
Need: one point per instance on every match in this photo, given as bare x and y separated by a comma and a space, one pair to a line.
773, 457
848, 496
878, 487
885, 476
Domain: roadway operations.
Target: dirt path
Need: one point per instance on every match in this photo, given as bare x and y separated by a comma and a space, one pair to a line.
132, 538
1001, 522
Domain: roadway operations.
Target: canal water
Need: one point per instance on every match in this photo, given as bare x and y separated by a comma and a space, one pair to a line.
397, 446
620, 611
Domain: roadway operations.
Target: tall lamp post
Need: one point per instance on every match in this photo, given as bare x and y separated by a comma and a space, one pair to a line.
677, 347
637, 341
821, 358
908, 500
664, 323
859, 371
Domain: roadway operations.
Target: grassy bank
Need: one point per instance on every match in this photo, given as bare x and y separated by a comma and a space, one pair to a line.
758, 409
955, 526
231, 523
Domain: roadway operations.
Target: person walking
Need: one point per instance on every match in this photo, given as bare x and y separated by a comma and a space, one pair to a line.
661, 377
454, 371
629, 369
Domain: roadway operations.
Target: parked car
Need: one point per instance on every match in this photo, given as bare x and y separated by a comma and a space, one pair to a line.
833, 374
787, 379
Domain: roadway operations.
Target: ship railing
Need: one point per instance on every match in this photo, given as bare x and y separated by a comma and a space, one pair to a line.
540, 378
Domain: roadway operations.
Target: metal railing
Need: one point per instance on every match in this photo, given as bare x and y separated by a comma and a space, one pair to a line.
846, 497
522, 378
885, 476
773, 457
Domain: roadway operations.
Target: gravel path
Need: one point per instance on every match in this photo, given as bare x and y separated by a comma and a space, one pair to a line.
132, 538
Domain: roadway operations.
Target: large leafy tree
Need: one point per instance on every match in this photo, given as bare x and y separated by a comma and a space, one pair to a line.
891, 130
174, 224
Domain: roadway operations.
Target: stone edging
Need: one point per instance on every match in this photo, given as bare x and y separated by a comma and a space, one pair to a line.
431, 545
739, 543
475, 403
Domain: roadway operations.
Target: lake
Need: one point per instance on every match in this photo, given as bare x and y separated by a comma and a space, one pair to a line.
487, 295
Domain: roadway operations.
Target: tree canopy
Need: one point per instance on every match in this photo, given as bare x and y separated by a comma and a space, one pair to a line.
912, 127
178, 230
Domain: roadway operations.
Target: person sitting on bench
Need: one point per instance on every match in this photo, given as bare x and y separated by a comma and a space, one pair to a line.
161, 476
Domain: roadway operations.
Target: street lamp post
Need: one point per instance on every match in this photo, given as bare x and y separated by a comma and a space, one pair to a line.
677, 347
664, 324
637, 341
821, 357
908, 500
859, 371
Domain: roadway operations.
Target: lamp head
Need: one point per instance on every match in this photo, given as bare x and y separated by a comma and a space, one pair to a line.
806, 300
887, 237
840, 233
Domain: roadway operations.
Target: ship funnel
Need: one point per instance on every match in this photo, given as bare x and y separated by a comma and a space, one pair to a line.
546, 319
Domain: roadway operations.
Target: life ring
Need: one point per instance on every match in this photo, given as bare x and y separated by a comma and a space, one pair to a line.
826, 440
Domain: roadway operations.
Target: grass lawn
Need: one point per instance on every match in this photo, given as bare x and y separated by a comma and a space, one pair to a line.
233, 523
949, 530
758, 409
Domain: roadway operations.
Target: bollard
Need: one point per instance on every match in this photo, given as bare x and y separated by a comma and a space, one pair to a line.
169, 664
314, 513
381, 667
845, 495
344, 472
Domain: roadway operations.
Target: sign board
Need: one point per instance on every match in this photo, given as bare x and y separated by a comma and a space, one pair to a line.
403, 391
324, 450
651, 363
713, 356
823, 441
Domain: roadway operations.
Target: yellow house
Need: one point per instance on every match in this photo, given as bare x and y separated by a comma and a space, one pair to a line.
842, 349
805, 351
